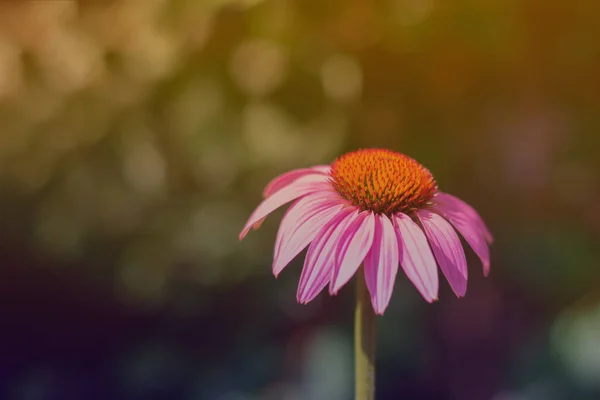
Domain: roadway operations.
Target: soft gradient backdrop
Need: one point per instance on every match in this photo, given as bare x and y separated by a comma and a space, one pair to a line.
136, 138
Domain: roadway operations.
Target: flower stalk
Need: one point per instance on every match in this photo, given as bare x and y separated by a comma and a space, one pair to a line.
364, 342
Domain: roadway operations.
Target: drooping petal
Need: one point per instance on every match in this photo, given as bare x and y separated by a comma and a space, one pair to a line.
381, 264
460, 207
304, 185
257, 224
320, 257
285, 179
464, 222
354, 244
301, 223
416, 257
447, 249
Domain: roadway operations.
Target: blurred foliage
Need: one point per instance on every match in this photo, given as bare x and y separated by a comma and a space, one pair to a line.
136, 136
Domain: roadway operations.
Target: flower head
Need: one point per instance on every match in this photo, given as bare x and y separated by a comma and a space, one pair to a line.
378, 208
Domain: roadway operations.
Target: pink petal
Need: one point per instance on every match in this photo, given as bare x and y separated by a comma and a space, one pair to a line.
416, 257
468, 227
257, 225
301, 210
354, 244
460, 207
447, 249
300, 187
320, 257
301, 223
285, 179
381, 264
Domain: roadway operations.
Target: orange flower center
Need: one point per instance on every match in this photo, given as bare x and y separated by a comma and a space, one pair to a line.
382, 181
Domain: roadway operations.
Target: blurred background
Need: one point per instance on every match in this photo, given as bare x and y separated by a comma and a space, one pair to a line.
136, 137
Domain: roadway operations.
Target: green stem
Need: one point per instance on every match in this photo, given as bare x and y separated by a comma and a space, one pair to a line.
364, 342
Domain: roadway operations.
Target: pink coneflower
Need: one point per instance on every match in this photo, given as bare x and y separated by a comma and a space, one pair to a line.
373, 207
